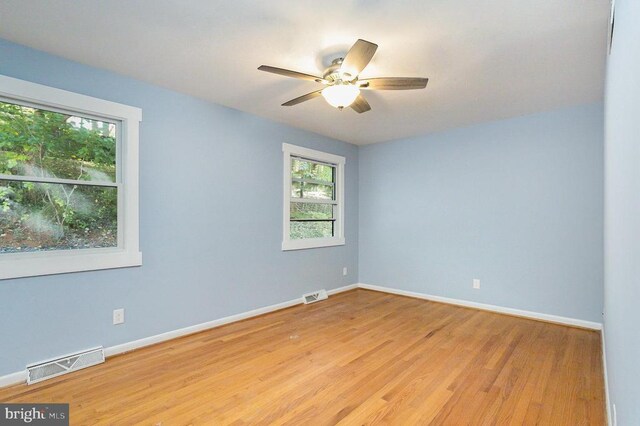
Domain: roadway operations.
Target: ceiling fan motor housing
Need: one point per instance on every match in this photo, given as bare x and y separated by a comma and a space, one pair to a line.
342, 86
333, 73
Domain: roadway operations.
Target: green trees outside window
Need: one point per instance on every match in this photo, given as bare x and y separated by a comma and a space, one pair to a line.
57, 180
314, 183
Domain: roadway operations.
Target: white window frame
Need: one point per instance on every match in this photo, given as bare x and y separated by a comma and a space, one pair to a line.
15, 265
338, 239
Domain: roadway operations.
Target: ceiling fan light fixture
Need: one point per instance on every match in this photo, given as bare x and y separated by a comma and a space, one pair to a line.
340, 95
342, 82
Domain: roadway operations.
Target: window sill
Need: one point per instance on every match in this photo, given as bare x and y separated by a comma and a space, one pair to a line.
20, 265
311, 243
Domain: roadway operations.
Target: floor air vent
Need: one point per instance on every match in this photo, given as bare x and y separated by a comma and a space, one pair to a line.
56, 367
316, 296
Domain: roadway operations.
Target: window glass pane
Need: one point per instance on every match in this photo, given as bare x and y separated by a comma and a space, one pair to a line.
303, 169
317, 192
311, 211
296, 189
41, 143
300, 230
45, 216
311, 190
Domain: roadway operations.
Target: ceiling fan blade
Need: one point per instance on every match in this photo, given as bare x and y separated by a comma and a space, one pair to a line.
289, 73
360, 105
303, 98
358, 57
393, 83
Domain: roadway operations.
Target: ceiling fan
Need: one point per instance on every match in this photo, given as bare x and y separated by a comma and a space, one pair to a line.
342, 83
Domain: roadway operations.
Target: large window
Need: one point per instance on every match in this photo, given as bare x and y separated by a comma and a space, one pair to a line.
314, 198
68, 181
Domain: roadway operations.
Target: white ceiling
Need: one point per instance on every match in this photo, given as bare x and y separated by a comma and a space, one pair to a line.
486, 59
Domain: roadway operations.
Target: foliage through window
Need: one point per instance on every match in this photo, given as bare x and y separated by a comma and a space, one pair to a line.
68, 181
314, 182
58, 186
312, 199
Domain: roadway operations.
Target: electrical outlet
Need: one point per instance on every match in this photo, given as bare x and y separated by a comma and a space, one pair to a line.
344, 271
476, 283
118, 316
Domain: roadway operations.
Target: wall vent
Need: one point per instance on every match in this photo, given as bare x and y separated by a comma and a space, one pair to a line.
66, 364
316, 296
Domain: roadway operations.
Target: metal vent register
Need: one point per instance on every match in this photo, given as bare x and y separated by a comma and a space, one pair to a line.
56, 367
316, 296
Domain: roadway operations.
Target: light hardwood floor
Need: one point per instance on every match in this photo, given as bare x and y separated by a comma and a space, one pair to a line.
361, 357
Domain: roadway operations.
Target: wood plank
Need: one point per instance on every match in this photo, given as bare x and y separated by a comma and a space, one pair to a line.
361, 357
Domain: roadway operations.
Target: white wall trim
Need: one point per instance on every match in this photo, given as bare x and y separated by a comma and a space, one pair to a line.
342, 289
21, 376
136, 344
493, 308
606, 378
13, 378
151, 340
127, 253
338, 161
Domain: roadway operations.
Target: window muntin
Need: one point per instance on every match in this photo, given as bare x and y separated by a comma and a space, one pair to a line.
58, 186
313, 198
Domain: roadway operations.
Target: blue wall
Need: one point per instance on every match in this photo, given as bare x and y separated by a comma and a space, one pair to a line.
622, 214
516, 203
211, 218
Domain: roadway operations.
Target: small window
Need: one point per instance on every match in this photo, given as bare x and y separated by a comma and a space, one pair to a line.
68, 181
314, 198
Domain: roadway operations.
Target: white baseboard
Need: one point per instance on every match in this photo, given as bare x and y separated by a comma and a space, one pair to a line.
13, 378
151, 340
21, 376
606, 378
493, 308
342, 289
